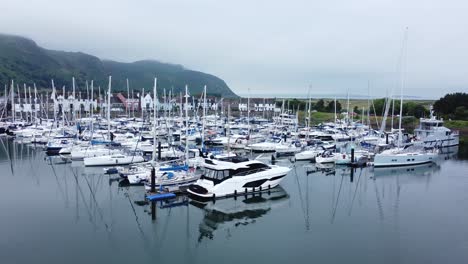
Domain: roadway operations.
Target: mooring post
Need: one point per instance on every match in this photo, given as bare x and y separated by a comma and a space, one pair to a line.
153, 180
159, 150
386, 139
352, 155
153, 210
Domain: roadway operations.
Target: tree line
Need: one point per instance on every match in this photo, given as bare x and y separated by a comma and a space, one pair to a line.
319, 106
453, 106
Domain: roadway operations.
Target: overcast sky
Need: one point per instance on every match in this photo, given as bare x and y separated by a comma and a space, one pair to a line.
268, 46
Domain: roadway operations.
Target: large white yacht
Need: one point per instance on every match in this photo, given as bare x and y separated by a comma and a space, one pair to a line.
404, 157
234, 176
432, 132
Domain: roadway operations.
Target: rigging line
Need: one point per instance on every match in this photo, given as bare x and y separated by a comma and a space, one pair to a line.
300, 197
337, 200
136, 217
58, 182
164, 232
379, 202
355, 191
7, 151
96, 203
146, 241
88, 210
34, 174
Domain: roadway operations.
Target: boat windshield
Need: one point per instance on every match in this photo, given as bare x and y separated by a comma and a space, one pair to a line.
215, 174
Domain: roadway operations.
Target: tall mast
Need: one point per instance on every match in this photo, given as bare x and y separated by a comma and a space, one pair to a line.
128, 97
248, 115
335, 109
25, 102
109, 107
73, 99
30, 104
181, 105
54, 100
35, 103
308, 118
87, 97
13, 100
368, 104
402, 72
133, 104
204, 118
142, 97
186, 123
393, 112
347, 115
5, 102
91, 106
100, 101
228, 129
263, 113
154, 119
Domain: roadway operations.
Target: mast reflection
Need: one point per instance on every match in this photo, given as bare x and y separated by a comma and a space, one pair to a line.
231, 213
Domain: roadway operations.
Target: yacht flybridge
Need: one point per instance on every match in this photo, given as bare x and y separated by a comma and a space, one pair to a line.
433, 133
234, 176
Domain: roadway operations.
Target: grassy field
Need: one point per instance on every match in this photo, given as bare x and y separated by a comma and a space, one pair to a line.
461, 126
409, 123
362, 103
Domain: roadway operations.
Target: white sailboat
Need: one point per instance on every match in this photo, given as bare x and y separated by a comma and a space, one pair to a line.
400, 156
115, 159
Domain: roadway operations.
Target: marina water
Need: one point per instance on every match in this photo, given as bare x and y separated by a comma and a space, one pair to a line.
54, 212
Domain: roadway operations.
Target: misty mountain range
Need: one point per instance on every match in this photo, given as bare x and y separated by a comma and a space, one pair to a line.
23, 61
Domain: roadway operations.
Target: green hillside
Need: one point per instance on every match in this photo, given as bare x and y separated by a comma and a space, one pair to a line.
23, 61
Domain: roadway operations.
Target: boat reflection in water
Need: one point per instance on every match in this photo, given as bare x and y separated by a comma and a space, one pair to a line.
414, 171
234, 212
408, 172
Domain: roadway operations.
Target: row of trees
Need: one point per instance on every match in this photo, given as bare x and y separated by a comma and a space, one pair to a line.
454, 106
409, 108
320, 105
415, 109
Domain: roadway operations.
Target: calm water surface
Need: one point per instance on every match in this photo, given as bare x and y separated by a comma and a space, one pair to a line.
65, 213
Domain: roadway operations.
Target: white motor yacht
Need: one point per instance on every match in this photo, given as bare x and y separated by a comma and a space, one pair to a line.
234, 176
433, 133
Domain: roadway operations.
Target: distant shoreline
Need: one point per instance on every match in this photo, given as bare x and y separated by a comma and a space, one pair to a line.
330, 96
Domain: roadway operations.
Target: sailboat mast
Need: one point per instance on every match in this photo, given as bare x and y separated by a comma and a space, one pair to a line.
91, 106
186, 123
248, 115
128, 97
73, 99
109, 107
402, 70
13, 100
25, 103
335, 109
368, 104
204, 118
154, 119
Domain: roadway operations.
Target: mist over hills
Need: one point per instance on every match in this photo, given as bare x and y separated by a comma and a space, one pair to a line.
23, 61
